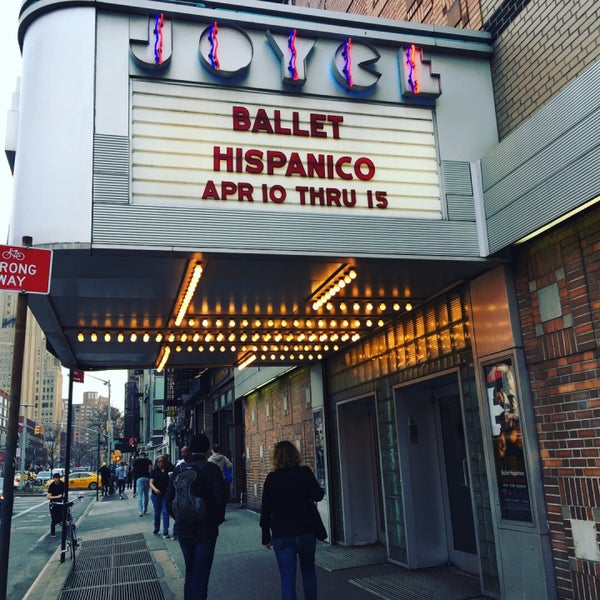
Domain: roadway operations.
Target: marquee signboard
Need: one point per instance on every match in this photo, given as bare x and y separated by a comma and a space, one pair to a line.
24, 269
261, 152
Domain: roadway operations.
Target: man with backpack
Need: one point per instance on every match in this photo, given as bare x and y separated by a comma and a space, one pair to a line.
196, 500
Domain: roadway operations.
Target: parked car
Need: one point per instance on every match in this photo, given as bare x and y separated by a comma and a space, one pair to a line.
80, 481
42, 478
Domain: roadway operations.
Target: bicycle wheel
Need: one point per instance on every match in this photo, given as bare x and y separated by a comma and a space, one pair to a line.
72, 540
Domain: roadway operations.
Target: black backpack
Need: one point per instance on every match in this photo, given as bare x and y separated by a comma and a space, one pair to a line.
187, 507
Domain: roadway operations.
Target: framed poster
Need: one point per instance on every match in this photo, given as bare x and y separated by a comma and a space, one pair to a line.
319, 429
507, 440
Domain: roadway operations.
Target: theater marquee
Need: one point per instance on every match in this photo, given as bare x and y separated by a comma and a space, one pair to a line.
264, 152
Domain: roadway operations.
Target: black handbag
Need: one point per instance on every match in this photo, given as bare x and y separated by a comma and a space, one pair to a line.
318, 526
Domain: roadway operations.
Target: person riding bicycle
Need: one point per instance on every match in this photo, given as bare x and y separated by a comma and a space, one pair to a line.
55, 494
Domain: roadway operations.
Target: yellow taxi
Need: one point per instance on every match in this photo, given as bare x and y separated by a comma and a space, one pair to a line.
82, 480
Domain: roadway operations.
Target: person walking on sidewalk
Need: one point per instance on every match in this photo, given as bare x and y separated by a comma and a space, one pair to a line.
219, 459
141, 474
287, 521
197, 540
55, 494
186, 455
121, 473
159, 483
223, 463
104, 472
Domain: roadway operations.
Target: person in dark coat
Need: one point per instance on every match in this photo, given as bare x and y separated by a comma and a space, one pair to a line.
287, 519
197, 540
56, 491
105, 478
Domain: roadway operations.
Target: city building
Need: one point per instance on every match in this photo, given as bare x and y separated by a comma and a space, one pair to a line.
374, 237
89, 418
41, 382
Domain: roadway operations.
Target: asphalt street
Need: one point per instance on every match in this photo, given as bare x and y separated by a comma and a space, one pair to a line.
30, 543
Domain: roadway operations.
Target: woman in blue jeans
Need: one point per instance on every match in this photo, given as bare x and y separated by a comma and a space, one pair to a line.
287, 521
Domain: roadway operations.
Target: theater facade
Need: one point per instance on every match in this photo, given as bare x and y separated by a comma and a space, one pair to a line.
321, 201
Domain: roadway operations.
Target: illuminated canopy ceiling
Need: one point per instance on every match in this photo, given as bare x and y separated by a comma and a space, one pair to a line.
119, 310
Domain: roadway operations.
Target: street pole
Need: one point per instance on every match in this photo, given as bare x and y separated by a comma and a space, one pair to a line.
63, 541
23, 448
98, 466
109, 421
12, 436
110, 428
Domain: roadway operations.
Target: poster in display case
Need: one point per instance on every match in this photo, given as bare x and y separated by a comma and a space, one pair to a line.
504, 407
319, 447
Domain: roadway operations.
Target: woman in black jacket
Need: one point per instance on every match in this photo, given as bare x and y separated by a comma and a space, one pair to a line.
287, 519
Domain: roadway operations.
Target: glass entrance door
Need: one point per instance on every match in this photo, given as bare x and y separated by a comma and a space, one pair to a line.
462, 546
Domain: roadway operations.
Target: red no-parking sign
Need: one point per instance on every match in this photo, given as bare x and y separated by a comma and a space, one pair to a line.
25, 269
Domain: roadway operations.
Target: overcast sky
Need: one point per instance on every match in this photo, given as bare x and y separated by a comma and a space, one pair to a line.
11, 69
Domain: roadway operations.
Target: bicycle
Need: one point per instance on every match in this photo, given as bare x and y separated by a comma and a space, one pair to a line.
13, 253
72, 541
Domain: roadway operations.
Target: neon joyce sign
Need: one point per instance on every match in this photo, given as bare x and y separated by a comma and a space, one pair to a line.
226, 51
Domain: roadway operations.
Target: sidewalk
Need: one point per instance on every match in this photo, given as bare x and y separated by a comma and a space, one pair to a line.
120, 558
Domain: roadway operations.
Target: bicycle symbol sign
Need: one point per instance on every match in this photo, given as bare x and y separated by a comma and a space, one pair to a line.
25, 269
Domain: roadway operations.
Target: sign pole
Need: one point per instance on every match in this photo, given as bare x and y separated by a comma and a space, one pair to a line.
63, 541
12, 434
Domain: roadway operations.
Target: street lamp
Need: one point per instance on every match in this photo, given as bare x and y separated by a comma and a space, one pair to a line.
106, 382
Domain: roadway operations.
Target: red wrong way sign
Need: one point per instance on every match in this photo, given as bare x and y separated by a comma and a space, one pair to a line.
25, 269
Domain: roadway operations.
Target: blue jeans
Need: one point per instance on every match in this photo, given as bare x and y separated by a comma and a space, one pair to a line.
286, 550
198, 557
160, 508
143, 487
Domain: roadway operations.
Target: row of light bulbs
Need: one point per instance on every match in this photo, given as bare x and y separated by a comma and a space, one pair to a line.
221, 337
268, 352
334, 288
261, 348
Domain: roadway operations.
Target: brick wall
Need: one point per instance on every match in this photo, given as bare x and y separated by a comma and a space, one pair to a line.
544, 48
558, 285
279, 411
451, 13
539, 47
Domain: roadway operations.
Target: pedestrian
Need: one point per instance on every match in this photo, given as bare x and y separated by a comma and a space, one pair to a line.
130, 481
185, 455
219, 459
159, 483
56, 491
104, 479
141, 474
197, 540
287, 520
121, 473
